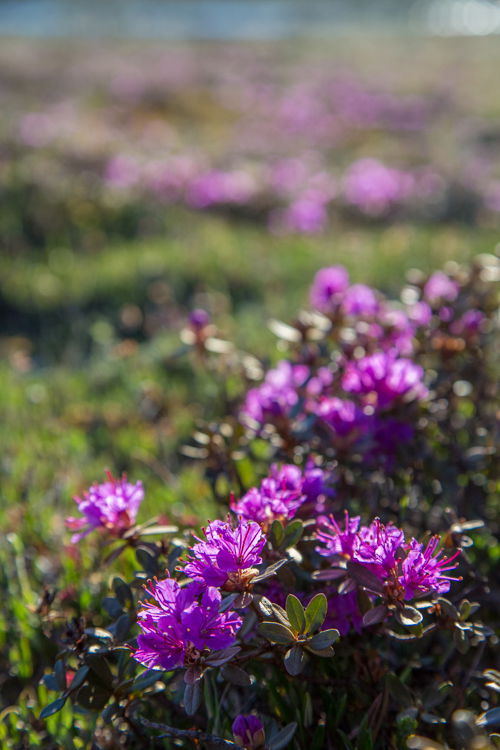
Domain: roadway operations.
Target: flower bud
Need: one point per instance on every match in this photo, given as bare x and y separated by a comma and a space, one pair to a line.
248, 732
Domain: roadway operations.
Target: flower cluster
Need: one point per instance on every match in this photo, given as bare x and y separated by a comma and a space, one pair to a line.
405, 569
282, 493
112, 505
180, 626
277, 395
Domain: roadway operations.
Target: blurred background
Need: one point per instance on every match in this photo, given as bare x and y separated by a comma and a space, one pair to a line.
158, 156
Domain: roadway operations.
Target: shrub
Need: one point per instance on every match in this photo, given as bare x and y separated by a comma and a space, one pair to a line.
354, 476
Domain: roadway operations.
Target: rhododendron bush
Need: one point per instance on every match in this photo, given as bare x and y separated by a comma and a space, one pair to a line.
344, 595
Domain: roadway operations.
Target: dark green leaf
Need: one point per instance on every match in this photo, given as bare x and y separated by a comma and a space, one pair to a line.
79, 678
276, 534
52, 708
235, 675
145, 680
323, 652
364, 577
324, 639
408, 616
123, 592
192, 698
316, 612
50, 682
121, 628
100, 667
93, 696
295, 612
112, 606
270, 571
295, 660
375, 615
60, 674
216, 658
99, 633
490, 718
293, 533
276, 632
283, 738
159, 530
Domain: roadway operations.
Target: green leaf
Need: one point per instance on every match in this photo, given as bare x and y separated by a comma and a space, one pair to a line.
315, 613
276, 632
192, 697
295, 660
100, 667
325, 653
490, 718
293, 533
283, 738
270, 571
295, 612
123, 591
93, 696
409, 616
375, 615
364, 577
60, 674
79, 678
52, 708
276, 534
236, 675
324, 639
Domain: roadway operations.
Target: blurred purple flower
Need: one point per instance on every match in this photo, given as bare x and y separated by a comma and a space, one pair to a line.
198, 319
385, 376
112, 505
360, 299
327, 288
277, 395
374, 188
440, 288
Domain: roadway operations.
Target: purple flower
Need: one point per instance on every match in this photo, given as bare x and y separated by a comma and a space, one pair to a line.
281, 494
420, 313
198, 319
228, 556
248, 732
385, 376
468, 324
440, 288
306, 215
424, 570
360, 299
374, 188
338, 542
112, 505
343, 416
181, 624
277, 395
405, 569
377, 545
327, 288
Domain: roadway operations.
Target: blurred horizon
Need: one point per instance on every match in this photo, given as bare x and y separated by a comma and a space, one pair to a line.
244, 19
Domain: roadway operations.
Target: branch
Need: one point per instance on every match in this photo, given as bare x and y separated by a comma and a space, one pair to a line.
192, 734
